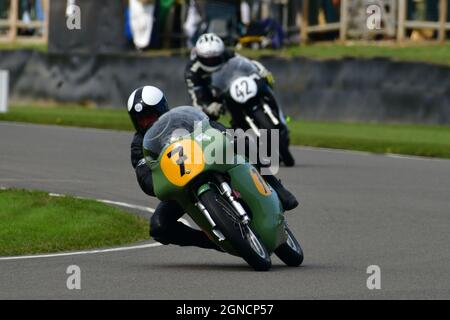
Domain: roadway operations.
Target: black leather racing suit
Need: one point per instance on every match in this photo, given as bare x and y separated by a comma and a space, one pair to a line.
198, 81
164, 225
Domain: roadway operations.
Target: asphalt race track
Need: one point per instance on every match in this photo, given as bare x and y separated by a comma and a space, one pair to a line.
357, 210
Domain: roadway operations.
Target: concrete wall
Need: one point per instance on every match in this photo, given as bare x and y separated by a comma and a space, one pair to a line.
350, 89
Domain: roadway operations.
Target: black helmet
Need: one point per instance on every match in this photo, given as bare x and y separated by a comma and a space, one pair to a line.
145, 106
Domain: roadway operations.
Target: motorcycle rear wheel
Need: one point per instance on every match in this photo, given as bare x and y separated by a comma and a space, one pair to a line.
243, 239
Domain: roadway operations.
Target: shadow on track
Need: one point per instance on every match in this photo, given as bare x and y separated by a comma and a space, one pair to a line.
242, 267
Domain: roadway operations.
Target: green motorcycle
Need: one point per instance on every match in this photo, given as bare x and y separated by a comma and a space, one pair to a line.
222, 193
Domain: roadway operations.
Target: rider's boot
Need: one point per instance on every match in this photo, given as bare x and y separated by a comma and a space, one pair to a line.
287, 199
182, 235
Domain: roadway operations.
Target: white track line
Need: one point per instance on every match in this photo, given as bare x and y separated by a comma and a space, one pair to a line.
121, 204
116, 203
406, 157
366, 153
127, 205
78, 253
44, 180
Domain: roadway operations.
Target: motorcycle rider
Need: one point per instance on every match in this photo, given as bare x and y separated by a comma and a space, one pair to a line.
145, 106
207, 57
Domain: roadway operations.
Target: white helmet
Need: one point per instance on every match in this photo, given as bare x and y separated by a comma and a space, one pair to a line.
210, 50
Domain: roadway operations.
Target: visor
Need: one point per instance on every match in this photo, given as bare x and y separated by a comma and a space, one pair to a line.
211, 62
147, 121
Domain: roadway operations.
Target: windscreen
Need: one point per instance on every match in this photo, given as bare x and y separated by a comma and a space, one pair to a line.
233, 69
171, 125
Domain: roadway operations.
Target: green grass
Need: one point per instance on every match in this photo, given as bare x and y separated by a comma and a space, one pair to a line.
432, 53
69, 115
34, 222
429, 52
420, 140
24, 46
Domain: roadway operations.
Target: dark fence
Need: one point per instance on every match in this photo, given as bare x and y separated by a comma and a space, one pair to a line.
349, 89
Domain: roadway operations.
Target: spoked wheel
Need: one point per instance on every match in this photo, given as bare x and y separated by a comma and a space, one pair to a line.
255, 243
243, 239
290, 252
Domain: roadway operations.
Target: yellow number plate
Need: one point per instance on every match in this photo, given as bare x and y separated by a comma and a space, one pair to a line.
260, 183
182, 161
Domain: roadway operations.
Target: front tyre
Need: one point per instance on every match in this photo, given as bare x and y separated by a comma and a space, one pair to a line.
290, 252
264, 122
243, 239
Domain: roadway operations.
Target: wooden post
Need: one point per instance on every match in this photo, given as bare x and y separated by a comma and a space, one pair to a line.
402, 12
13, 19
46, 4
305, 21
443, 7
344, 20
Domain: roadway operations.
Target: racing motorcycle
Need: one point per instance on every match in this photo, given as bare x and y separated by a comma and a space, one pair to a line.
251, 102
229, 200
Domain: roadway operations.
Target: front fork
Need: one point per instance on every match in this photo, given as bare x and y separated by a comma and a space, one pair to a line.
269, 112
275, 116
226, 191
208, 217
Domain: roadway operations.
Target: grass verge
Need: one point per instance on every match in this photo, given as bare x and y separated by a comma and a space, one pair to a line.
70, 115
424, 52
23, 46
427, 51
33, 222
419, 140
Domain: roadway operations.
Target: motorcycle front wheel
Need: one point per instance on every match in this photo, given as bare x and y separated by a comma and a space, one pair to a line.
264, 122
243, 239
290, 252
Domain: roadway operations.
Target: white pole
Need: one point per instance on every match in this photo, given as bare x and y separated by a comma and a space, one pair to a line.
4, 91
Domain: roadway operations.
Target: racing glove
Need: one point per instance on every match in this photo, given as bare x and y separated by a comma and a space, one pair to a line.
264, 73
214, 109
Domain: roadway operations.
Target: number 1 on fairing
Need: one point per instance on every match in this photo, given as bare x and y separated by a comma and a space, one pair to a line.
182, 158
